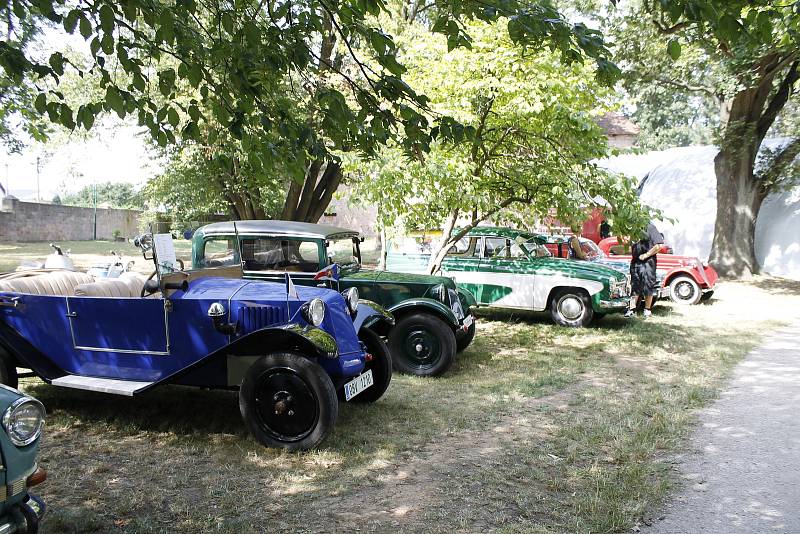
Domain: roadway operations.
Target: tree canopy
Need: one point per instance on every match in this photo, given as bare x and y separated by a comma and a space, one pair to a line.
527, 122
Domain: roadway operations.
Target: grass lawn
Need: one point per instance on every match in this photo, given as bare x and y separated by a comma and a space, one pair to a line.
536, 428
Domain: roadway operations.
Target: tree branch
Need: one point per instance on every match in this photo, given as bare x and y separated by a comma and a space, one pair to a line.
785, 90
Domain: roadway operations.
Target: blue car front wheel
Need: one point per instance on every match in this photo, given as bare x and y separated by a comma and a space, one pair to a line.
288, 401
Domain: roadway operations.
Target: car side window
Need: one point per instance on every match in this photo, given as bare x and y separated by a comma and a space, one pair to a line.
275, 254
466, 248
494, 246
218, 252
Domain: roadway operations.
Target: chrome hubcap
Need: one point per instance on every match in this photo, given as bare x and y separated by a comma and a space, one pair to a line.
418, 347
571, 307
685, 290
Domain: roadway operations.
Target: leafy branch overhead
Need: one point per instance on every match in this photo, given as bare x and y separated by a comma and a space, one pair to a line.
240, 57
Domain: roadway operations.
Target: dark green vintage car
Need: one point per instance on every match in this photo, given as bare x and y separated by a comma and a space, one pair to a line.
433, 319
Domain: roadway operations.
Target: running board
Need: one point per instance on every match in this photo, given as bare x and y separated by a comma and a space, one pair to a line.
103, 385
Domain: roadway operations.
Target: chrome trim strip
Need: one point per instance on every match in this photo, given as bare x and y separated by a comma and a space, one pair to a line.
123, 351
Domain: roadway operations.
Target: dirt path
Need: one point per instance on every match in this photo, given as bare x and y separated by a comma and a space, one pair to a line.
744, 473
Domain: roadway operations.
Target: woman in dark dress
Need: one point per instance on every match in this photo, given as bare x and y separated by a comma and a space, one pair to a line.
643, 270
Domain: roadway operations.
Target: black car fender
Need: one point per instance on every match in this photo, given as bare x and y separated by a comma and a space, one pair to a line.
308, 341
374, 316
428, 305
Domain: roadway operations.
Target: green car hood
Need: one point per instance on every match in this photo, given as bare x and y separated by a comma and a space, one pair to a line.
581, 269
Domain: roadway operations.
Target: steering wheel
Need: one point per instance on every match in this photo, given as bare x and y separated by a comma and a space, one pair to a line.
147, 288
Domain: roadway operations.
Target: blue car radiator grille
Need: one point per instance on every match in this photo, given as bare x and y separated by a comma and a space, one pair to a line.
252, 318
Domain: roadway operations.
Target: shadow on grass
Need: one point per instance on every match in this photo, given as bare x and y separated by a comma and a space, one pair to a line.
782, 286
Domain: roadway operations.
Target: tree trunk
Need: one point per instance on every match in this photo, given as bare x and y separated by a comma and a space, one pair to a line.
740, 192
738, 202
307, 201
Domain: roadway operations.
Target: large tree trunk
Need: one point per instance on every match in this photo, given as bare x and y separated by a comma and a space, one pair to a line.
740, 192
738, 203
307, 201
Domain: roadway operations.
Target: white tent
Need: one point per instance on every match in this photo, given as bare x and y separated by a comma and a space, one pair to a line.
681, 182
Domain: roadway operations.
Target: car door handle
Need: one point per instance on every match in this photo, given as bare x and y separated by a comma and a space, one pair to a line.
71, 314
10, 302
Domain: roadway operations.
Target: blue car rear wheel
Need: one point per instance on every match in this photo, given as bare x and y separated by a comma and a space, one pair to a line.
288, 401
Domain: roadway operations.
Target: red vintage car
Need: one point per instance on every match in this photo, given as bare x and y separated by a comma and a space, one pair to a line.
687, 279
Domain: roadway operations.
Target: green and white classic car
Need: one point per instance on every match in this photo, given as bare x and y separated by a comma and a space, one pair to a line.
512, 269
433, 319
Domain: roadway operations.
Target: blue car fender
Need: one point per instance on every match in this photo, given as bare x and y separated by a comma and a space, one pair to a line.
372, 315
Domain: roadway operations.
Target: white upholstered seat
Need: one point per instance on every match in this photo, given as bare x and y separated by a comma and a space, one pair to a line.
49, 283
126, 286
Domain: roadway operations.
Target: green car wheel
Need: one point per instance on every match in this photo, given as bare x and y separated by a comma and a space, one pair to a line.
422, 345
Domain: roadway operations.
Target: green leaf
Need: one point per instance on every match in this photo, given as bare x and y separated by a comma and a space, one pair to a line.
94, 46
194, 75
85, 26
115, 101
674, 49
728, 28
40, 103
167, 26
227, 22
57, 63
107, 18
107, 44
71, 21
172, 117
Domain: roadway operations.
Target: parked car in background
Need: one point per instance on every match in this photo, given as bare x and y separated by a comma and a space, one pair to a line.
433, 318
686, 279
289, 352
512, 269
558, 245
23, 420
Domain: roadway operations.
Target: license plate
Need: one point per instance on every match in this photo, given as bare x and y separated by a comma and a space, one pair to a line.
468, 320
358, 384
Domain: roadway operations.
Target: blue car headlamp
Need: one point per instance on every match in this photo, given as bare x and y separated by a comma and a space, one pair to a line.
313, 312
23, 421
351, 298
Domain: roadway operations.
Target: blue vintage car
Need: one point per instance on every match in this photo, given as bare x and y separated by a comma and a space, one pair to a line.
289, 352
22, 420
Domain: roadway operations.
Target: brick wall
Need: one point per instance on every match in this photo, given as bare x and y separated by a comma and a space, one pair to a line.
32, 221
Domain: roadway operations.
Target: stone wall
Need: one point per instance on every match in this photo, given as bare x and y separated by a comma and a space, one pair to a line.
33, 221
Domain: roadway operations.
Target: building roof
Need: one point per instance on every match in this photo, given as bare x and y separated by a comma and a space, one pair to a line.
617, 124
277, 228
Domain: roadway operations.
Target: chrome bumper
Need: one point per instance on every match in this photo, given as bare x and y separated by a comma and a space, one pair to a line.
616, 304
23, 520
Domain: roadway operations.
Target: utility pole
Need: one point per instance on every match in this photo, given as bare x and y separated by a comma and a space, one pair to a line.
94, 191
38, 198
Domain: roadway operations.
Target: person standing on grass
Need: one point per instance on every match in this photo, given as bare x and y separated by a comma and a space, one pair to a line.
643, 270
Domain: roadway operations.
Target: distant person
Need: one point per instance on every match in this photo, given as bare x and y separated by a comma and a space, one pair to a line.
643, 270
605, 229
574, 251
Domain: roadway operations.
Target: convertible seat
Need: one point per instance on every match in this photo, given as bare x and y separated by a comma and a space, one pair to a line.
128, 285
51, 283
